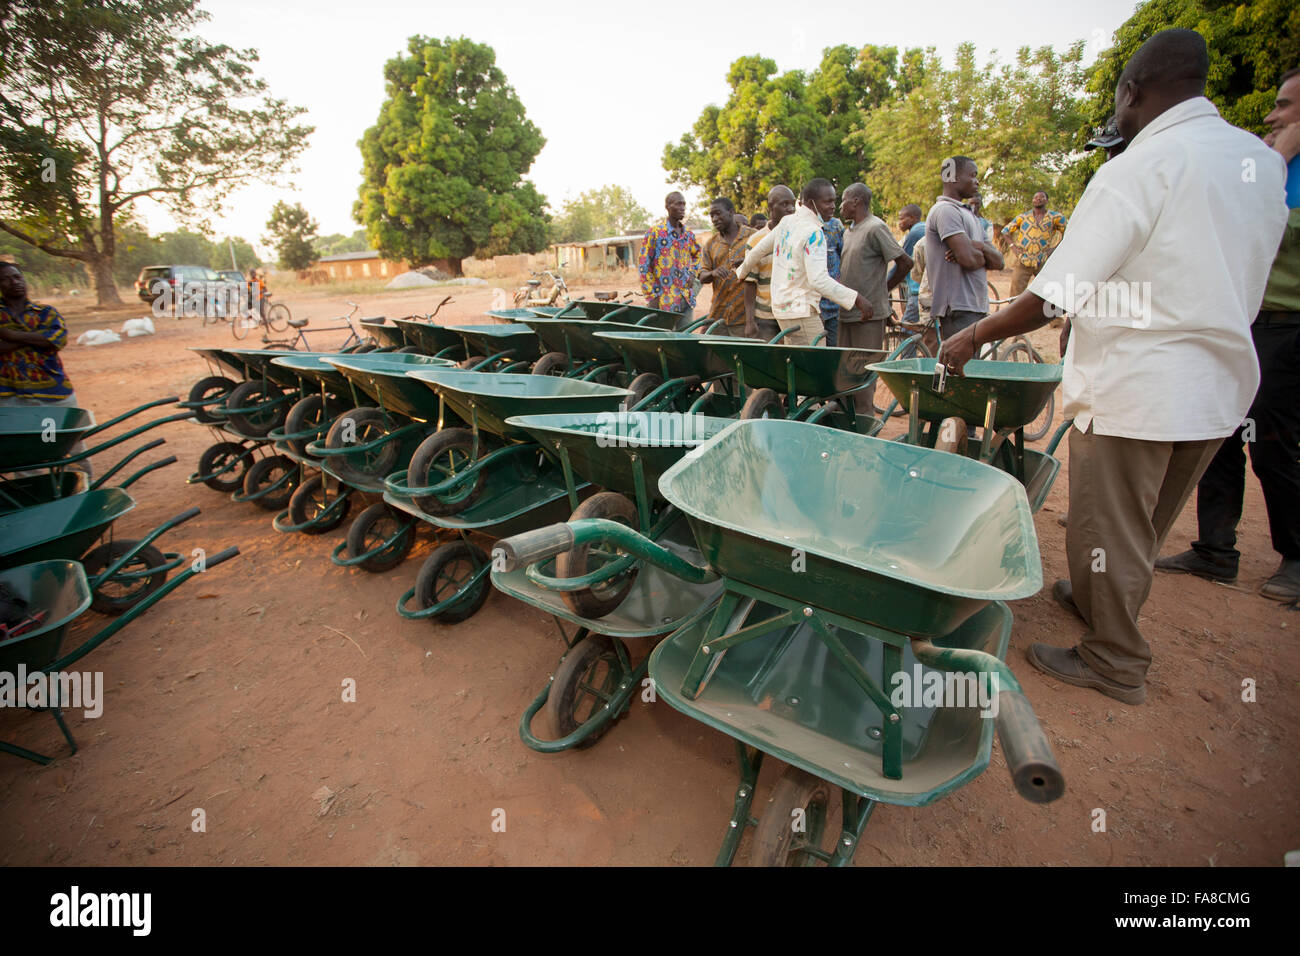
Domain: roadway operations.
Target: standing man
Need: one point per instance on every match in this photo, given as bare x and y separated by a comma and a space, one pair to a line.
869, 248
799, 277
976, 204
912, 225
1033, 234
1160, 366
760, 323
1274, 417
723, 251
956, 255
834, 230
668, 260
31, 335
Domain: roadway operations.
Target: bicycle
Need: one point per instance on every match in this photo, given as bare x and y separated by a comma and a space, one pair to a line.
355, 342
272, 318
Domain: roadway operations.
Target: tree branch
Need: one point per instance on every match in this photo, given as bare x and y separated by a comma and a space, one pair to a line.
43, 246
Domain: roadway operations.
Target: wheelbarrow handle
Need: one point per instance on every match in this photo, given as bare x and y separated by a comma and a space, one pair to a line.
1034, 769
532, 547
226, 555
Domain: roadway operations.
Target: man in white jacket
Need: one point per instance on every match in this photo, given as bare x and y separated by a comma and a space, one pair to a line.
799, 277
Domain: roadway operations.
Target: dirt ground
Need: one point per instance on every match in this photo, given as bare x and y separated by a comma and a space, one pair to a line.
227, 698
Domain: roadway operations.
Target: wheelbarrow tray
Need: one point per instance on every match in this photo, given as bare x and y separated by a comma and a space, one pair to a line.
489, 399
657, 602
488, 340
602, 447
577, 337
60, 589
222, 358
382, 376
387, 335
61, 529
19, 493
430, 337
260, 363
1022, 389
682, 353
594, 309
23, 433
897, 536
786, 695
313, 368
654, 318
819, 370
518, 315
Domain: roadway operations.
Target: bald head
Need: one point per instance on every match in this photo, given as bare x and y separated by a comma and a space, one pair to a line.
779, 192
855, 204
1168, 69
780, 203
675, 206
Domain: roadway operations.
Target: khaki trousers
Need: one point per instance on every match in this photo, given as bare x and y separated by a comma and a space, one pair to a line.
1125, 494
1021, 276
810, 327
868, 334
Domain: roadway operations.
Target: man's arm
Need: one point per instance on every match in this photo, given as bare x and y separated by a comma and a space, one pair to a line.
902, 266
707, 265
751, 300
756, 254
814, 264
992, 256
52, 334
645, 264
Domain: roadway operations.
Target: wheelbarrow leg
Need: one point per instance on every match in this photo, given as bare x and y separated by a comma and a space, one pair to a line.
32, 755
751, 761
857, 812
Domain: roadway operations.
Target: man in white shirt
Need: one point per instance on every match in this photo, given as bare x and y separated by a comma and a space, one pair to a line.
1161, 365
799, 277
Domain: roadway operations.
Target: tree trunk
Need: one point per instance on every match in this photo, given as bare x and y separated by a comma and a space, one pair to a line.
101, 271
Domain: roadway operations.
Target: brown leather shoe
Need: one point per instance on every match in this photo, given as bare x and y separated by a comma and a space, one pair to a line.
1064, 594
1065, 664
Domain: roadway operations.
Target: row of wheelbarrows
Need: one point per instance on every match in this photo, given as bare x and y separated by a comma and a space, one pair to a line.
719, 493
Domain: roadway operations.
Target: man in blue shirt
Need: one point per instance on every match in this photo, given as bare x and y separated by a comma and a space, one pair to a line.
912, 226
834, 230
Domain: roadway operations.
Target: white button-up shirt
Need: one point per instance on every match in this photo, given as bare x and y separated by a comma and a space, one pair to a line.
1163, 268
799, 277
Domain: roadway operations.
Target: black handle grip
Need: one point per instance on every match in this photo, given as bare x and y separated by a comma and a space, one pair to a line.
184, 516
531, 547
1033, 766
164, 462
226, 555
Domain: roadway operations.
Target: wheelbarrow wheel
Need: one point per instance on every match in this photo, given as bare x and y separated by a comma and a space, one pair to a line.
552, 363
1040, 426
220, 455
763, 403
266, 472
368, 424
640, 387
207, 389
795, 818
603, 598
443, 455
372, 528
309, 413
470, 361
116, 596
366, 346
310, 500
249, 395
445, 573
587, 677
410, 350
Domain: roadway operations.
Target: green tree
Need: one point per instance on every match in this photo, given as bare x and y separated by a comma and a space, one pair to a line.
104, 102
443, 167
245, 255
596, 213
337, 243
292, 233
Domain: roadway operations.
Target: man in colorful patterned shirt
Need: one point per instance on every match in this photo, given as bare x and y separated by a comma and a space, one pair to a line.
1033, 234
723, 251
669, 257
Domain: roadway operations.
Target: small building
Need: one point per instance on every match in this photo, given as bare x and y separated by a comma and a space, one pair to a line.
614, 252
359, 265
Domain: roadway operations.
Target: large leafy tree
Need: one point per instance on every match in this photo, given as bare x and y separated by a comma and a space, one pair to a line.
443, 167
106, 102
608, 211
293, 234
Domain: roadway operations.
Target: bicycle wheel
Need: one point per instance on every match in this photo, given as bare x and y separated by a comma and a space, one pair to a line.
277, 317
1022, 351
914, 349
240, 326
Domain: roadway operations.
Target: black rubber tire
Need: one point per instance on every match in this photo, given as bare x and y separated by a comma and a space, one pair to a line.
250, 395
455, 446
410, 350
640, 387
310, 499
763, 403
470, 361
204, 390
552, 363
364, 347
774, 838
241, 325
592, 659
1040, 426
112, 597
309, 412
452, 563
277, 317
267, 471
374, 526
369, 424
576, 561
220, 454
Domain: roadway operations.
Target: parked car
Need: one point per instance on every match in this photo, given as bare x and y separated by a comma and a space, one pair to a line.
196, 289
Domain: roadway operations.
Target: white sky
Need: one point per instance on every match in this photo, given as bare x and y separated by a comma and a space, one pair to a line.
608, 84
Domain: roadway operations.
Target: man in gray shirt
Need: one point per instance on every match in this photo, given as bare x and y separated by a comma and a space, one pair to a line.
868, 249
956, 252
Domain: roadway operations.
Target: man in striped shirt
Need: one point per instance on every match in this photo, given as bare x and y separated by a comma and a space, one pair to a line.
759, 321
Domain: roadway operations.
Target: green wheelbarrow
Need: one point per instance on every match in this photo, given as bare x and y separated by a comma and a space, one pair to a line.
574, 347
694, 377
38, 603
853, 568
518, 315
608, 596
490, 478
498, 348
429, 338
1001, 398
